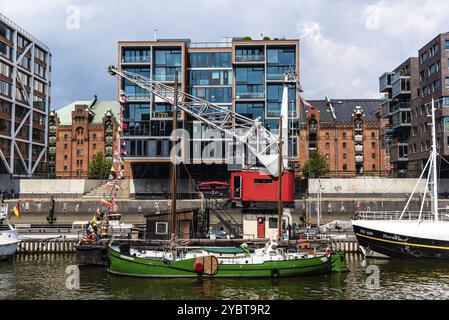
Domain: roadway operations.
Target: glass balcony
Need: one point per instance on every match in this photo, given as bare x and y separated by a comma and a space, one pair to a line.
402, 86
250, 95
250, 58
385, 82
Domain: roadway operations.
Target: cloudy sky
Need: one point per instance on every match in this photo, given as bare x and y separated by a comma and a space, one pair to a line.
345, 44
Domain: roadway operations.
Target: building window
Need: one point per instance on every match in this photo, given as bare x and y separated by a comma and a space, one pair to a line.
273, 223
327, 146
344, 156
374, 167
327, 136
161, 228
65, 168
344, 145
65, 157
373, 145
373, 134
94, 146
65, 146
345, 167
344, 136
447, 82
373, 156
263, 181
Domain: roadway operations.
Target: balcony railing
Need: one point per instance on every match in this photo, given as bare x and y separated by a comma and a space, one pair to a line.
250, 58
250, 95
359, 159
385, 81
359, 148
358, 138
138, 96
139, 59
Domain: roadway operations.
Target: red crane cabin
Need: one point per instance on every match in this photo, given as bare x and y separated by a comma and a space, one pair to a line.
255, 186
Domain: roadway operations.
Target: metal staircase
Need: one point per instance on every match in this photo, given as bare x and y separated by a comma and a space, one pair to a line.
222, 212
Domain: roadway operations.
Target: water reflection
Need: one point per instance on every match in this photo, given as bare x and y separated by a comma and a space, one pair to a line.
43, 277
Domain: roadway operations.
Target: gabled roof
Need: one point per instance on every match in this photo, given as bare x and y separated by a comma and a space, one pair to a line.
344, 109
98, 111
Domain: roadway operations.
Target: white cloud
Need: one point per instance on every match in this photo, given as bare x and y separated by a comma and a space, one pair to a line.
345, 45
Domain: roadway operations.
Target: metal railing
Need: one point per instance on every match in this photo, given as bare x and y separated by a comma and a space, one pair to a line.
250, 58
396, 215
23, 32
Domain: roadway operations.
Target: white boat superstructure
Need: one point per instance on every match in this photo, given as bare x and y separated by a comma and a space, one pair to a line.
9, 237
270, 252
408, 234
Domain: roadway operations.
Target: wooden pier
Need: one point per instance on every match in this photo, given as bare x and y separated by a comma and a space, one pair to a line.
67, 245
58, 245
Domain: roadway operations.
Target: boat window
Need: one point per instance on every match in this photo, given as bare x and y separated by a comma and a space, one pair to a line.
161, 227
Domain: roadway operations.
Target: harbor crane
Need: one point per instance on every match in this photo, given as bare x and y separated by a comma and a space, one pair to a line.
262, 143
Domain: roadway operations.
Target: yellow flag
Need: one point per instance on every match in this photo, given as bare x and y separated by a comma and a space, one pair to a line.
16, 210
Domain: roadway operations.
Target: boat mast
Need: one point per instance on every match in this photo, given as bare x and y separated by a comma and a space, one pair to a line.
434, 160
280, 167
174, 166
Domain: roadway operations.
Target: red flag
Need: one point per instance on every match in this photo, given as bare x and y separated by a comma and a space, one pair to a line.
106, 203
123, 99
304, 103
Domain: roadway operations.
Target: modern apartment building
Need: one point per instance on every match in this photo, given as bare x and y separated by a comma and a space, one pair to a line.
433, 84
347, 133
25, 69
396, 111
236, 73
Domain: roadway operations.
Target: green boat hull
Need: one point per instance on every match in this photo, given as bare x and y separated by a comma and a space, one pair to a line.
138, 267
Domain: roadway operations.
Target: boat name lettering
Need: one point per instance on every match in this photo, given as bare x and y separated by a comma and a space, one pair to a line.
390, 237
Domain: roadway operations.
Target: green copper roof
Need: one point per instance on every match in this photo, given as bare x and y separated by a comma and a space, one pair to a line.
98, 110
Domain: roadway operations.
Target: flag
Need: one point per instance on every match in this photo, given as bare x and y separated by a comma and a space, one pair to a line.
106, 203
305, 103
16, 210
123, 99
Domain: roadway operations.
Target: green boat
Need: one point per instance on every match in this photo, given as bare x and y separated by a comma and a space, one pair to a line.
269, 262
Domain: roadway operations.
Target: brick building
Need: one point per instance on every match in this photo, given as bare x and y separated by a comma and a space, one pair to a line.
77, 132
433, 84
347, 133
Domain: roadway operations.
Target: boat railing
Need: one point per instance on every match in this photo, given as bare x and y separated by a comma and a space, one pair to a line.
396, 215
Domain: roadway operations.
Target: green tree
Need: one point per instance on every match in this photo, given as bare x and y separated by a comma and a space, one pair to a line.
247, 38
100, 167
316, 166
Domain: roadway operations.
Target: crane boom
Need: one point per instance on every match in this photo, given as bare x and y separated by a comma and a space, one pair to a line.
259, 141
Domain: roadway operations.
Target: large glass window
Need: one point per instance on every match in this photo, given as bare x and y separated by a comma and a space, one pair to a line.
275, 93
136, 55
5, 51
5, 32
210, 77
137, 112
210, 60
446, 124
250, 83
166, 62
251, 110
249, 55
5, 88
5, 70
280, 61
215, 95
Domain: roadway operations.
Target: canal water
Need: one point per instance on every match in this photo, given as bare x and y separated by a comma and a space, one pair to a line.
44, 277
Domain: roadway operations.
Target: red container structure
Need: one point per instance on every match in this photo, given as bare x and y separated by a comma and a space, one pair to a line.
251, 187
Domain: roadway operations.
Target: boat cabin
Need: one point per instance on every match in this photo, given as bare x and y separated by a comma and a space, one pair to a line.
191, 224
